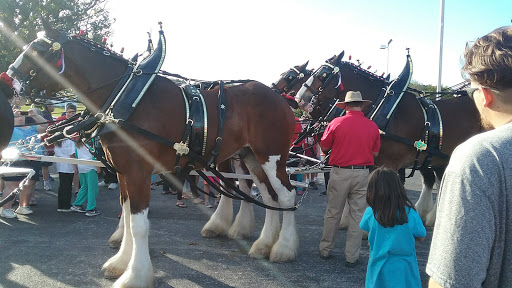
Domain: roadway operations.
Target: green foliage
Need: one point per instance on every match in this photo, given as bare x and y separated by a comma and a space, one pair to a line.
424, 87
22, 19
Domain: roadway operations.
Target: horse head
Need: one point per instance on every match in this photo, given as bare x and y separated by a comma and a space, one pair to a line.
35, 65
57, 60
292, 79
320, 90
317, 93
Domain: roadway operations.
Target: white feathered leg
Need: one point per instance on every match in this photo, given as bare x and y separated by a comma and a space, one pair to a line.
287, 246
220, 220
425, 203
140, 270
117, 264
243, 227
270, 232
430, 219
115, 240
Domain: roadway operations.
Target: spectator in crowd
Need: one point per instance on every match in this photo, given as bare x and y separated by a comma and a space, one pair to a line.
88, 182
353, 141
48, 110
23, 129
66, 172
48, 151
70, 112
393, 225
109, 179
208, 190
471, 244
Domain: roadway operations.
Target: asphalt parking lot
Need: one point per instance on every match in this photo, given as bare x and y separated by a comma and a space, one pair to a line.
52, 249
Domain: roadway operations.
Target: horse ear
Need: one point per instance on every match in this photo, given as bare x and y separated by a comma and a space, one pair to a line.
303, 66
338, 61
48, 29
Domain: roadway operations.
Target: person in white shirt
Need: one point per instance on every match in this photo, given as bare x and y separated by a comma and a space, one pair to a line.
66, 173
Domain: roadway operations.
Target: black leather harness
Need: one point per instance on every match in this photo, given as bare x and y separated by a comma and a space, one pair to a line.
383, 110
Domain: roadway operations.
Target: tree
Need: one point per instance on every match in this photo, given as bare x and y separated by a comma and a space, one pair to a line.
23, 19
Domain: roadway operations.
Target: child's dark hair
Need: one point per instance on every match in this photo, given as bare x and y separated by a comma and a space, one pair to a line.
387, 197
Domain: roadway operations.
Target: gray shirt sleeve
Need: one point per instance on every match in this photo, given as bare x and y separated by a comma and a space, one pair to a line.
464, 231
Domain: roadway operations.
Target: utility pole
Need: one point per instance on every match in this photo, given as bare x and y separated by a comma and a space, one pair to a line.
387, 47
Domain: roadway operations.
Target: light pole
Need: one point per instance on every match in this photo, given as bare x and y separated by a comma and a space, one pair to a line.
387, 47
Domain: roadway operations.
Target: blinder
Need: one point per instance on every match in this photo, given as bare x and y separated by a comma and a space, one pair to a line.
51, 51
291, 77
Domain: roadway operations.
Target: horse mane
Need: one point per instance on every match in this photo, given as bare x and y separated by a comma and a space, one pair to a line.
361, 71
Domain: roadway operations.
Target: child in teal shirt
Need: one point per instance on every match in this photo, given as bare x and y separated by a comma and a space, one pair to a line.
88, 182
393, 225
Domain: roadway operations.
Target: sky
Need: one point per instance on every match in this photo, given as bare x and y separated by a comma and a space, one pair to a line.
259, 40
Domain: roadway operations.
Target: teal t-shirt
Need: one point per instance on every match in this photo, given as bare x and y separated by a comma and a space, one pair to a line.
22, 134
393, 260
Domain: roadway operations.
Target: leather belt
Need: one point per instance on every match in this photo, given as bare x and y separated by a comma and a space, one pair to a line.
353, 167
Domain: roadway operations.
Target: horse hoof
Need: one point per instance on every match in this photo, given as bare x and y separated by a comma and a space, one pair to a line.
259, 251
113, 273
115, 244
237, 233
207, 233
136, 280
282, 255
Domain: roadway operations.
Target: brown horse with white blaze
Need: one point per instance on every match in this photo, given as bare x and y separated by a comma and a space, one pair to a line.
460, 120
258, 126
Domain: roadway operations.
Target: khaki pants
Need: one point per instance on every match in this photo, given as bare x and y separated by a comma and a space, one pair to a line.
351, 185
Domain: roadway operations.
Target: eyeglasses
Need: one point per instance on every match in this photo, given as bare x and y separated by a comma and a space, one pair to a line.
471, 91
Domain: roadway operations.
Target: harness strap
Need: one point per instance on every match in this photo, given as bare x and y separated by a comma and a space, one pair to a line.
241, 193
222, 117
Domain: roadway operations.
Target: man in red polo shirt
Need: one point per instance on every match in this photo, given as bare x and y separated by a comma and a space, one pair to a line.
353, 141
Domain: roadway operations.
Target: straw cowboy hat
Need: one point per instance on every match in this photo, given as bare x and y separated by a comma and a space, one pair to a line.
353, 96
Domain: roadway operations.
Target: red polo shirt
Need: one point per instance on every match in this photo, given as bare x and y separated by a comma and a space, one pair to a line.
352, 139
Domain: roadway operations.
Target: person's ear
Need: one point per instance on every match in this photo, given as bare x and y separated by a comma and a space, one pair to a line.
488, 96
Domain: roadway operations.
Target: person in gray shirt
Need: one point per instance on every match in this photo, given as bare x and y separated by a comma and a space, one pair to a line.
472, 241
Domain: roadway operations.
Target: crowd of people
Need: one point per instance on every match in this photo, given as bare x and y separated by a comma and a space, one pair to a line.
472, 235
29, 124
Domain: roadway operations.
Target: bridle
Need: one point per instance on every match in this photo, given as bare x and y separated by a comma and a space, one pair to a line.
54, 55
328, 72
291, 77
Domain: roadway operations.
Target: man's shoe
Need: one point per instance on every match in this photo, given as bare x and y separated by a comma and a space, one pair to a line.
322, 193
313, 185
102, 184
112, 186
24, 210
350, 264
7, 213
47, 186
92, 212
77, 208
